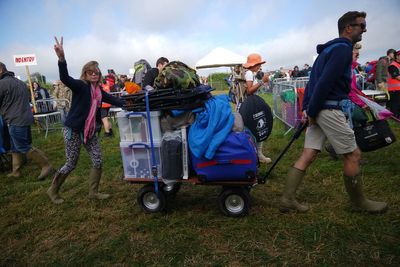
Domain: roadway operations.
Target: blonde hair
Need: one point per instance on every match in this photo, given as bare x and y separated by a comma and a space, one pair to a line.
90, 66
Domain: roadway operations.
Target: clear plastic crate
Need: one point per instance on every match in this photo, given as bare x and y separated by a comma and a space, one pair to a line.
136, 159
133, 126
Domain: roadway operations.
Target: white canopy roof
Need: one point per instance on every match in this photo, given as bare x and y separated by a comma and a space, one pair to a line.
220, 57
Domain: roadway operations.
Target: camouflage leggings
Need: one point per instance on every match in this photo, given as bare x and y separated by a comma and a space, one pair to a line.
73, 142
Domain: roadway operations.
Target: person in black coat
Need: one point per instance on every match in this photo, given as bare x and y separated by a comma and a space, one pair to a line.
152, 74
17, 115
82, 123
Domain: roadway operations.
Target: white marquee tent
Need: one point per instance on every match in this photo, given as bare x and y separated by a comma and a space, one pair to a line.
220, 57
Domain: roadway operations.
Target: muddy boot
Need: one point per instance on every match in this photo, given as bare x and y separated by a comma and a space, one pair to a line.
17, 159
52, 192
261, 157
354, 188
94, 181
288, 200
40, 158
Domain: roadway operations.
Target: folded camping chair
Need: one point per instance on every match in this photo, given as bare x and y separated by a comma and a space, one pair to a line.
165, 99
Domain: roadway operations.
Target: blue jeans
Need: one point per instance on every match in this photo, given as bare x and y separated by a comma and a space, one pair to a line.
20, 138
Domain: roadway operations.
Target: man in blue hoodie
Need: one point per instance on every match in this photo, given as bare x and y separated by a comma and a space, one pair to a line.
324, 108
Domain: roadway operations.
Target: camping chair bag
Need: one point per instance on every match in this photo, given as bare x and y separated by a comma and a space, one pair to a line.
234, 160
374, 135
257, 117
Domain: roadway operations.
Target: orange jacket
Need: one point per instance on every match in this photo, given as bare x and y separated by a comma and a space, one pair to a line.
106, 88
393, 84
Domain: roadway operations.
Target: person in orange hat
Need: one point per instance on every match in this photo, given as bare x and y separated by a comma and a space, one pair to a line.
253, 66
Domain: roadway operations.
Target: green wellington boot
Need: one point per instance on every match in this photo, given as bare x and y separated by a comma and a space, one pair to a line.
288, 200
94, 181
354, 187
17, 160
52, 192
40, 158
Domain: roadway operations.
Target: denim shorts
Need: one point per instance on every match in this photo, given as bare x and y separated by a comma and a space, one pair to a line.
20, 138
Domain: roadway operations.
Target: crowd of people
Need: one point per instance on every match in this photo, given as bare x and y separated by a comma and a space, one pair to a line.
331, 86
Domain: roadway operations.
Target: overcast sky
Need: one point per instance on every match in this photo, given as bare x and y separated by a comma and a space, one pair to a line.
118, 33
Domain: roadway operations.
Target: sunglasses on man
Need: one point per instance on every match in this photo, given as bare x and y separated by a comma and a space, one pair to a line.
363, 26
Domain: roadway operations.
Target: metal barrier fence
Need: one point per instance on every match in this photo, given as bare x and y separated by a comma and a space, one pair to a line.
51, 114
286, 100
360, 80
218, 85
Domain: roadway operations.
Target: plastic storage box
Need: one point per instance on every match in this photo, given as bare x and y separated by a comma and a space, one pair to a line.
133, 126
136, 159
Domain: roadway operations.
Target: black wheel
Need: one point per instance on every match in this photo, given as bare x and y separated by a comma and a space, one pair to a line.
171, 190
150, 201
234, 202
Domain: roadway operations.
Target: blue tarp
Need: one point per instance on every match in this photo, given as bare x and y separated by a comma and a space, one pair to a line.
211, 127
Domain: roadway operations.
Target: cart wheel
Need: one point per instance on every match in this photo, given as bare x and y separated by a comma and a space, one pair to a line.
172, 190
149, 201
234, 202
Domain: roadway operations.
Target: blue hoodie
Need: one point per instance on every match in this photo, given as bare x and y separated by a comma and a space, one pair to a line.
330, 76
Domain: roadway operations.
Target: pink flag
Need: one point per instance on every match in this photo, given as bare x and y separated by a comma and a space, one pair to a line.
380, 112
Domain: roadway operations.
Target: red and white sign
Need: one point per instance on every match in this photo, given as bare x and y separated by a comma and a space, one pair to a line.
25, 60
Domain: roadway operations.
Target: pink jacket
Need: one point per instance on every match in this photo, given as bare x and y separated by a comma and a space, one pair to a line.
354, 90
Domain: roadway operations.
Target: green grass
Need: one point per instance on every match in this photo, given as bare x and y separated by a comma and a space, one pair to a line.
83, 232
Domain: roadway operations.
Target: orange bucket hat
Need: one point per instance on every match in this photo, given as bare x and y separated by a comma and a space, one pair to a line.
252, 60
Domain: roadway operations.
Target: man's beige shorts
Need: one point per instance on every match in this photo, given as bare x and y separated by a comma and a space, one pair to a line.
331, 125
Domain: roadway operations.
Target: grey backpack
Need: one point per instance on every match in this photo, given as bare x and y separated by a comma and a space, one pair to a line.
141, 67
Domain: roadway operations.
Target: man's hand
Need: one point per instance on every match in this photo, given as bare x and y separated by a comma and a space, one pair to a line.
59, 49
305, 118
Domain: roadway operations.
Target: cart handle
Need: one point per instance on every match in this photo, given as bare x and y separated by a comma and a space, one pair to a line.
299, 129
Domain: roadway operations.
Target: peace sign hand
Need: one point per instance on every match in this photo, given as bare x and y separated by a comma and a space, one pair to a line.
58, 48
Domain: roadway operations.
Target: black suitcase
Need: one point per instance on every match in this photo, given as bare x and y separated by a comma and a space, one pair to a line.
171, 158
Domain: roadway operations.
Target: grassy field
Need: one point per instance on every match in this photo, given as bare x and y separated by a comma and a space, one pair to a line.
115, 232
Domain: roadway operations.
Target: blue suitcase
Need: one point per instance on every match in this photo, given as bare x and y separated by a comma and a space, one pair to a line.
234, 160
